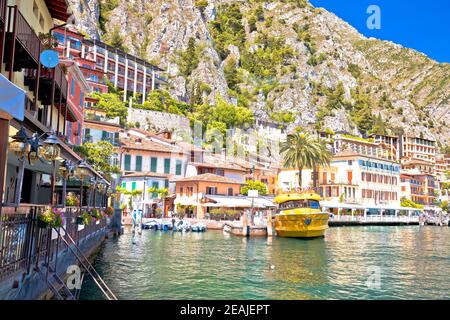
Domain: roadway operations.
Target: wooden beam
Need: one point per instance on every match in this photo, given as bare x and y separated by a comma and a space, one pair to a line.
4, 127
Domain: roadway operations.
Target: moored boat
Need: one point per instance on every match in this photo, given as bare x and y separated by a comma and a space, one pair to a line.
299, 216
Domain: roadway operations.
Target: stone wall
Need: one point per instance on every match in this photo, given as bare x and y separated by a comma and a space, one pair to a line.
156, 121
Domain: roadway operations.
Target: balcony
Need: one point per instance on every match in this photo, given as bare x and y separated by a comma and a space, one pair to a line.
21, 40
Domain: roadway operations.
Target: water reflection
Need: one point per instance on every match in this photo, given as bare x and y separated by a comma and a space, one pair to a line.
413, 262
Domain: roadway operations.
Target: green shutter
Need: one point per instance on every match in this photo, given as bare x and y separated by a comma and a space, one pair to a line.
138, 163
133, 186
166, 183
127, 162
155, 184
153, 164
178, 168
124, 185
167, 165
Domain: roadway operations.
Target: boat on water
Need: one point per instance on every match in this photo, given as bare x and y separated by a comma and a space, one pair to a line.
183, 226
299, 215
198, 227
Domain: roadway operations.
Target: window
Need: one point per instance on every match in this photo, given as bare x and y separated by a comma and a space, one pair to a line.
133, 186
181, 191
124, 185
127, 165
220, 172
166, 183
167, 165
211, 190
230, 191
81, 99
35, 9
155, 185
138, 163
153, 164
178, 168
41, 21
72, 88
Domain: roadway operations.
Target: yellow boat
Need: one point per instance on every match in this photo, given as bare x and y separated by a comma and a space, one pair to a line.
300, 216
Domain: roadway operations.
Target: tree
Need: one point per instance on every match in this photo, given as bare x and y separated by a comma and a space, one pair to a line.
304, 151
444, 206
409, 204
162, 193
112, 104
254, 185
99, 156
379, 127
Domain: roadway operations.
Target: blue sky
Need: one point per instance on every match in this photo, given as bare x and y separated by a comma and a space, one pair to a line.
418, 24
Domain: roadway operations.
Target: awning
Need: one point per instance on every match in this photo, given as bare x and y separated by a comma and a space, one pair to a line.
12, 98
236, 202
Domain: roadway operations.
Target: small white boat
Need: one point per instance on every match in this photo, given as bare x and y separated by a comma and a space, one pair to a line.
226, 229
198, 227
183, 226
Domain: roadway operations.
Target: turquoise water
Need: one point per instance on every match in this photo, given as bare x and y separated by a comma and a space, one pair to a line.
409, 262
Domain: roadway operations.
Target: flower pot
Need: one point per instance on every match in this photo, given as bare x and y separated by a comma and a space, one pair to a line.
42, 224
79, 220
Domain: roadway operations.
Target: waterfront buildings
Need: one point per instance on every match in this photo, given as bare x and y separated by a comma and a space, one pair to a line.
50, 102
414, 148
418, 187
196, 194
132, 75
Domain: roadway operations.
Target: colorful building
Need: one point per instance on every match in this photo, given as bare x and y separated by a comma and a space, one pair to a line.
414, 148
196, 194
418, 187
128, 73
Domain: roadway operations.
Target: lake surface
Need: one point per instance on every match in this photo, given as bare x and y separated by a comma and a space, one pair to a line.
407, 262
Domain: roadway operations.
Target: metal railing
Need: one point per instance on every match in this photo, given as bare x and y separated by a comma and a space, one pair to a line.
2, 10
24, 244
24, 33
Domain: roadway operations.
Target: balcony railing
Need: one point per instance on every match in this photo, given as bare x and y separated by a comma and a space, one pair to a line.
24, 245
2, 10
24, 33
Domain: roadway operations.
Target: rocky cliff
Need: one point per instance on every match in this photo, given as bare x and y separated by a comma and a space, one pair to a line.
286, 60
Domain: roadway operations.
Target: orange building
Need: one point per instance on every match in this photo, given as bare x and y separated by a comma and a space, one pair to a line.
197, 191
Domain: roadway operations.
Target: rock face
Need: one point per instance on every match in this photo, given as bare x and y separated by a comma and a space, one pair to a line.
409, 91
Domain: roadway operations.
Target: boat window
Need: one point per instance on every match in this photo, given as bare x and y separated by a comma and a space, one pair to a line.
313, 204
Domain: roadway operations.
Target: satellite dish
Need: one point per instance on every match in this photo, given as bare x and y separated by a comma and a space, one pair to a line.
49, 58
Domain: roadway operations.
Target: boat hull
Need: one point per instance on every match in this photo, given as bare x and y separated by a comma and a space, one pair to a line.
308, 225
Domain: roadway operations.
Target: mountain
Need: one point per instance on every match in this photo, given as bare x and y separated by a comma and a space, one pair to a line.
285, 59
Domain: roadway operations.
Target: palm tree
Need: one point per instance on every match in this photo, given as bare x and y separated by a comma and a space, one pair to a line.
304, 151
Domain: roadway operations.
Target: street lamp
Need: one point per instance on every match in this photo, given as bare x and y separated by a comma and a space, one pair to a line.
81, 171
50, 152
34, 153
51, 149
66, 170
19, 145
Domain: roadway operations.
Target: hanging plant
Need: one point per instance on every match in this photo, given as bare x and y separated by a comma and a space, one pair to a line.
51, 217
109, 212
48, 41
72, 200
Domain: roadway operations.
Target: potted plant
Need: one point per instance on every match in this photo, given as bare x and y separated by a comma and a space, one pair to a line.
85, 218
48, 41
95, 213
51, 217
72, 200
109, 212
